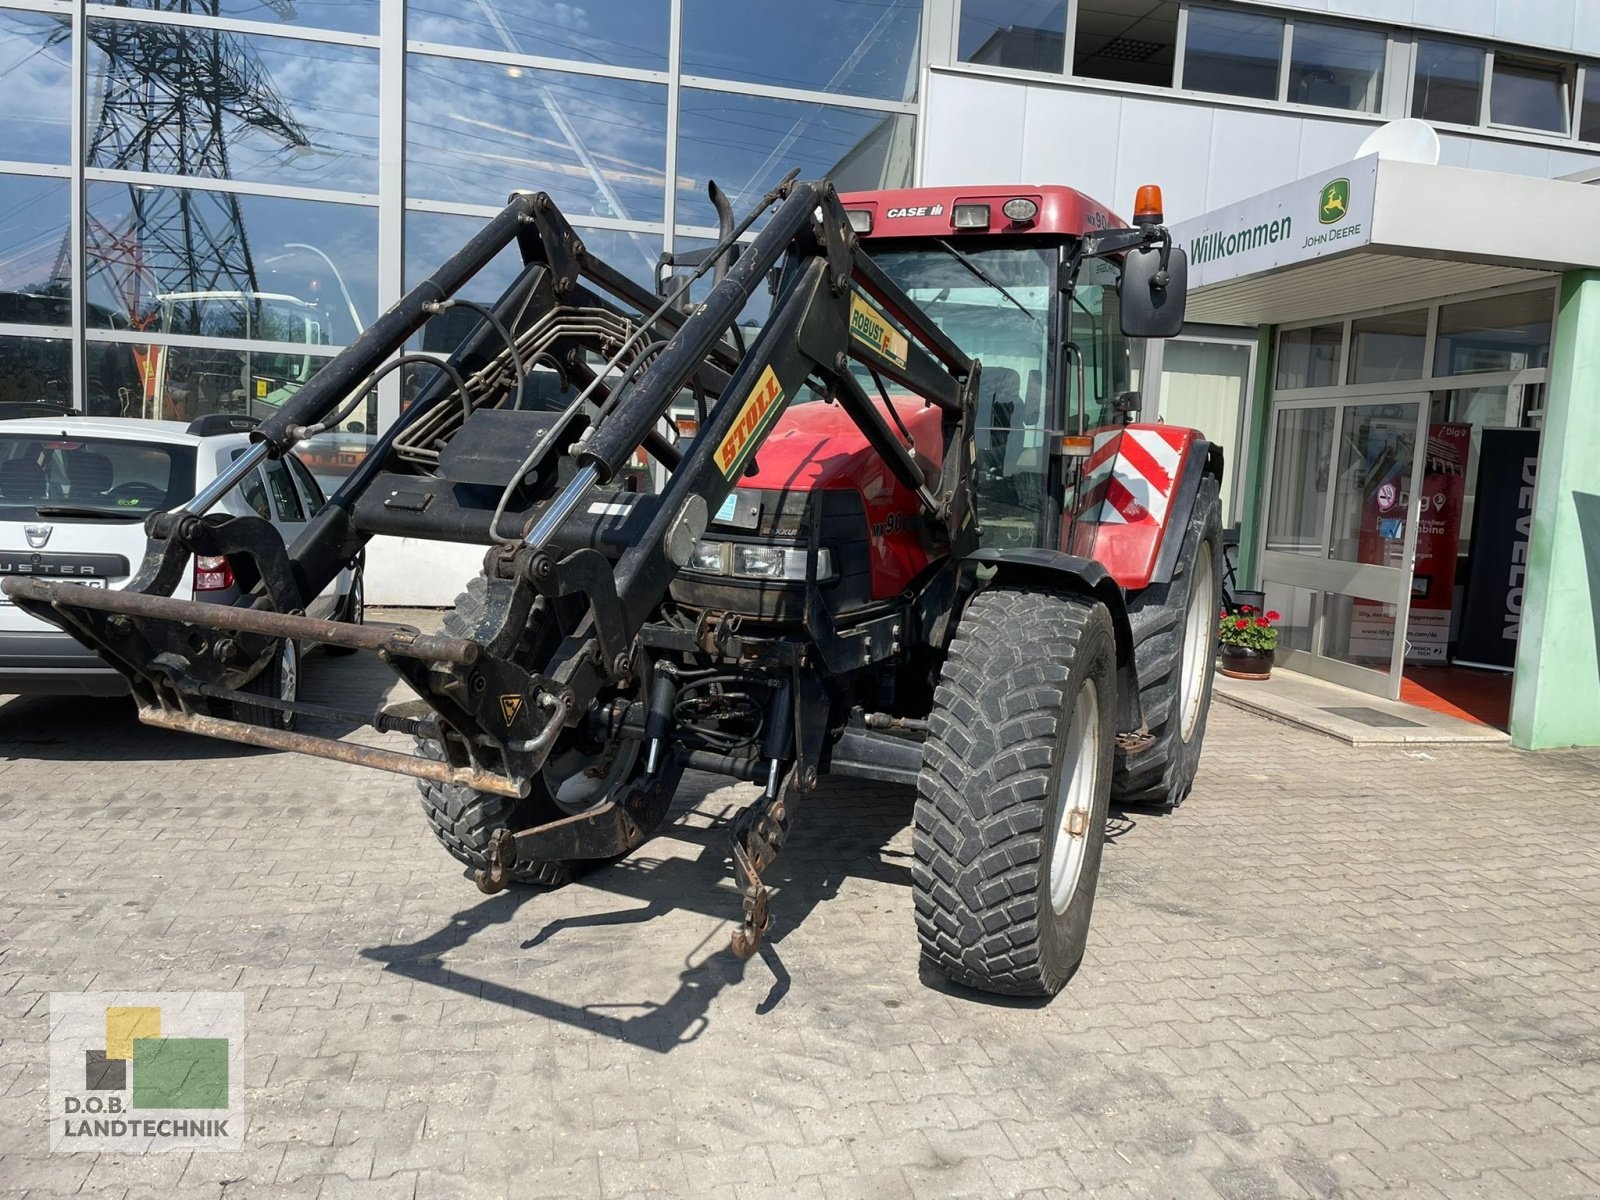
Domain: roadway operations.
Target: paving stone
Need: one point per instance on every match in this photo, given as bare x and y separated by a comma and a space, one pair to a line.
1333, 972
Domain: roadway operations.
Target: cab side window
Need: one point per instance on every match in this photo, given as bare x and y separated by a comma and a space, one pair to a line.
284, 498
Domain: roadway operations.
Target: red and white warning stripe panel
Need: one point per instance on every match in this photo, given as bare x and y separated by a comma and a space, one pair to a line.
1129, 479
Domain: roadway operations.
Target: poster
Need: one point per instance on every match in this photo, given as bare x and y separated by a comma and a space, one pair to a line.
1502, 522
1433, 579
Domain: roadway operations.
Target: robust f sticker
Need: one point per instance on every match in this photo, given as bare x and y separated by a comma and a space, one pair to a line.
763, 403
869, 328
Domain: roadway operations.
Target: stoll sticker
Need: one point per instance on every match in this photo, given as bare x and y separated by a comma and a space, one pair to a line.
759, 409
869, 328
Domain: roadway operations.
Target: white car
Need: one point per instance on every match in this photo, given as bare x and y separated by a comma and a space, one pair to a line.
74, 492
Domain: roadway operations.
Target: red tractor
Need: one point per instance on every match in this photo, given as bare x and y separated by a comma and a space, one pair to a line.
876, 557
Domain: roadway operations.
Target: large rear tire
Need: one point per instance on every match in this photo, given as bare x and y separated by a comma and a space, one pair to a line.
1012, 797
1174, 639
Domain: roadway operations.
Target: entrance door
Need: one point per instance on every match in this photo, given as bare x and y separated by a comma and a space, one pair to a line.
1341, 535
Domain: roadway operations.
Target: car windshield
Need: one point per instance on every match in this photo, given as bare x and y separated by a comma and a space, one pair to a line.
74, 476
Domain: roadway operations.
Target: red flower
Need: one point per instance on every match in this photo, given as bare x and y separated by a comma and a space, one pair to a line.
1241, 623
1272, 616
1262, 622
1247, 608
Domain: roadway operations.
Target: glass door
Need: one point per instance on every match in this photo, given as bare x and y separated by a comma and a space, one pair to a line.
1340, 535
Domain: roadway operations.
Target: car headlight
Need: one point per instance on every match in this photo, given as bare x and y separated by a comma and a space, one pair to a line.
758, 561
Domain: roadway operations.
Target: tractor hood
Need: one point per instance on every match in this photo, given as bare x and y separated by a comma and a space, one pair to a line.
816, 446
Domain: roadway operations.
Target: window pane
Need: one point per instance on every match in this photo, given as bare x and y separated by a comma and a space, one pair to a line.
1502, 333
433, 237
1299, 493
36, 65
827, 45
1233, 53
1449, 83
476, 132
748, 143
1388, 347
1336, 67
35, 282
33, 369
1309, 357
1529, 95
1589, 115
1357, 631
222, 265
1378, 446
1130, 41
1025, 35
623, 33
284, 111
348, 16
1204, 386
180, 383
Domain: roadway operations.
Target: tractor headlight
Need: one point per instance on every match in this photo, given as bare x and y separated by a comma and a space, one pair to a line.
707, 557
758, 560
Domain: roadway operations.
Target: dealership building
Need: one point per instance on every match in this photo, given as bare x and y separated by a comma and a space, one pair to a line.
1400, 350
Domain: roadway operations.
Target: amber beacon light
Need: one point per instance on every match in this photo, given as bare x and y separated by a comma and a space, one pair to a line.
1147, 205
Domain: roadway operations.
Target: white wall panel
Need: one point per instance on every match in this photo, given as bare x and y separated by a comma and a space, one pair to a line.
1390, 12
1537, 22
1167, 144
1511, 157
1241, 141
1469, 18
974, 130
1073, 138
1586, 29
1325, 144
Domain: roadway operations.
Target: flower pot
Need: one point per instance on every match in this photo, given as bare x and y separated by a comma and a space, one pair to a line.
1243, 662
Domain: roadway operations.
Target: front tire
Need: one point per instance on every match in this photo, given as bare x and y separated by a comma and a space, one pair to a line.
1014, 789
465, 820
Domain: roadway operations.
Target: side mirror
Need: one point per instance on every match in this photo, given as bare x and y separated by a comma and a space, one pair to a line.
1154, 297
1127, 405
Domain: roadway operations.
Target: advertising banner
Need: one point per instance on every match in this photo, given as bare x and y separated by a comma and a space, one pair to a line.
1502, 521
1433, 579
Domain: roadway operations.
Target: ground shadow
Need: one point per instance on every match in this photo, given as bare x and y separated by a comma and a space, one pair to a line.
834, 839
843, 832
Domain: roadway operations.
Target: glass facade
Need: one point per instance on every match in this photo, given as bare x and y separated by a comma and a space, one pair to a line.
234, 189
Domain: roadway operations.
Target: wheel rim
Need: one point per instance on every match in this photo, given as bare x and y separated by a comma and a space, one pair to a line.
288, 672
1197, 638
1075, 797
358, 601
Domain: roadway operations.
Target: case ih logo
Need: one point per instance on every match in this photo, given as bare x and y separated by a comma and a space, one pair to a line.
763, 402
924, 210
1333, 205
868, 327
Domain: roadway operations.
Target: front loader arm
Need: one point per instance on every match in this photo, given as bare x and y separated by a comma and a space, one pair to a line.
568, 592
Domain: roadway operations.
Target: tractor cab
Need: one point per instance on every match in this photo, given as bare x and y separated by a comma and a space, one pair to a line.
1011, 275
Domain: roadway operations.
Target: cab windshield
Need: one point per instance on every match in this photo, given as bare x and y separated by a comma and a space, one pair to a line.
995, 300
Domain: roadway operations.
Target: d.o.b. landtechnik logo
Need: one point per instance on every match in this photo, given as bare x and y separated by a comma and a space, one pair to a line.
138, 1072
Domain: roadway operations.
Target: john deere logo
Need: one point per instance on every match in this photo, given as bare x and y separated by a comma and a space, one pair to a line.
1334, 204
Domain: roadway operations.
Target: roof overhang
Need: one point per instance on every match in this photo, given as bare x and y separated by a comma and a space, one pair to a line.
1378, 233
